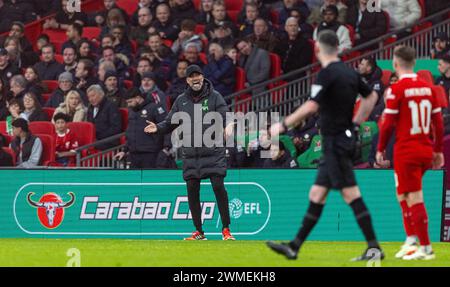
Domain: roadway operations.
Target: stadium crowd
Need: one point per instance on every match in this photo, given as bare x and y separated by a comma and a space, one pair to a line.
89, 78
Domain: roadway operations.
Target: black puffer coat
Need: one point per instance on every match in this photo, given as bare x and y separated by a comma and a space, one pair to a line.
199, 162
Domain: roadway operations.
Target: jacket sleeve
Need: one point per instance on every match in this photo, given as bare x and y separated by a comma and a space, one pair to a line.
263, 67
166, 126
413, 12
35, 157
159, 116
345, 43
115, 121
222, 108
377, 29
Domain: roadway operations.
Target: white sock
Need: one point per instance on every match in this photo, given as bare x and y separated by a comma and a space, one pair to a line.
426, 249
410, 240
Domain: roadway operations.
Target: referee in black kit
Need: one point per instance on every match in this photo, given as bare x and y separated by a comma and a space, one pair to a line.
333, 96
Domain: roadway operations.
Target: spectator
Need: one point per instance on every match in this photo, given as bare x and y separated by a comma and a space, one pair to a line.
192, 55
18, 30
15, 108
114, 18
295, 51
32, 109
113, 92
162, 53
141, 147
402, 14
65, 85
17, 56
204, 16
139, 33
186, 36
441, 46
103, 67
7, 69
84, 75
74, 35
73, 107
330, 15
306, 29
65, 142
288, 5
280, 158
149, 89
444, 69
102, 16
255, 62
232, 53
182, 10
251, 14
220, 70
367, 25
84, 50
42, 41
122, 45
64, 18
70, 60
34, 84
178, 83
262, 37
163, 24
145, 65
219, 18
150, 4
222, 34
388, 158
20, 11
104, 115
107, 41
263, 11
48, 68
371, 74
5, 158
316, 16
27, 147
120, 61
18, 87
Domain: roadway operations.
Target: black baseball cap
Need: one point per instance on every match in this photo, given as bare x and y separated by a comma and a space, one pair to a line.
20, 123
193, 69
441, 36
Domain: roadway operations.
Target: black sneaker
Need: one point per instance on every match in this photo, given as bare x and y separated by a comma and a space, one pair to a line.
370, 254
283, 248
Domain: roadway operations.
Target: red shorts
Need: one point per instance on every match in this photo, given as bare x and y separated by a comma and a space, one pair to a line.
409, 171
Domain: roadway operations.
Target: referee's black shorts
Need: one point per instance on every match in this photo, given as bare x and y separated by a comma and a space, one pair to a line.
336, 166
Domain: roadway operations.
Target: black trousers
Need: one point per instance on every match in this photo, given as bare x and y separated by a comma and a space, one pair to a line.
193, 190
143, 160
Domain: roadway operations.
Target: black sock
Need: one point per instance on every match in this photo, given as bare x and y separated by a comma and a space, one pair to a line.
364, 221
309, 221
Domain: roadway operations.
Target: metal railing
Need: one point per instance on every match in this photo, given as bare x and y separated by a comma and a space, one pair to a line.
89, 156
283, 96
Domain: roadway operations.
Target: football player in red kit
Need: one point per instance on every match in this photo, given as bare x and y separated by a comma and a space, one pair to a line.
412, 109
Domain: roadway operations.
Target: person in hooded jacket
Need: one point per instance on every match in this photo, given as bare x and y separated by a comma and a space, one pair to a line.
200, 161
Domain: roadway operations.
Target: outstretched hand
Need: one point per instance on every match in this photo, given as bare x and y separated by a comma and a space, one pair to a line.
150, 128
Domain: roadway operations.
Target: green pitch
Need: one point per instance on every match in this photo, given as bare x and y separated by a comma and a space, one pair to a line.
107, 252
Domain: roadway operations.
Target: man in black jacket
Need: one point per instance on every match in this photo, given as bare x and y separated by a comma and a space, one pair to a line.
104, 115
48, 68
200, 161
295, 51
143, 148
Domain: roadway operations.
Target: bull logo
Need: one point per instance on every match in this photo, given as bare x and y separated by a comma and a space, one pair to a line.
50, 208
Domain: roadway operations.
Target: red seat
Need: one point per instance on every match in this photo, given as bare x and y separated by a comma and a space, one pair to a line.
351, 31
12, 153
441, 96
233, 14
48, 149
234, 5
49, 111
129, 6
275, 65
128, 84
57, 38
91, 32
426, 76
274, 16
51, 85
168, 42
240, 79
3, 127
385, 78
45, 128
8, 139
423, 8
59, 58
84, 132
46, 97
197, 4
124, 116
134, 46
203, 58
199, 29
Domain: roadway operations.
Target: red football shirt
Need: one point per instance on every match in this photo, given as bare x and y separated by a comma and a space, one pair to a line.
66, 142
411, 106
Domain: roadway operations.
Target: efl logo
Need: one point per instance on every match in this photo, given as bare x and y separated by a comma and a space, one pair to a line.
50, 208
73, 6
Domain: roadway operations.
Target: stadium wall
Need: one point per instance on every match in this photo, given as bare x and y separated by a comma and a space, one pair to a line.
264, 204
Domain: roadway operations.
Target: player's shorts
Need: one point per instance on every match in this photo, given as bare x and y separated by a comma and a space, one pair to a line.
336, 166
409, 171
